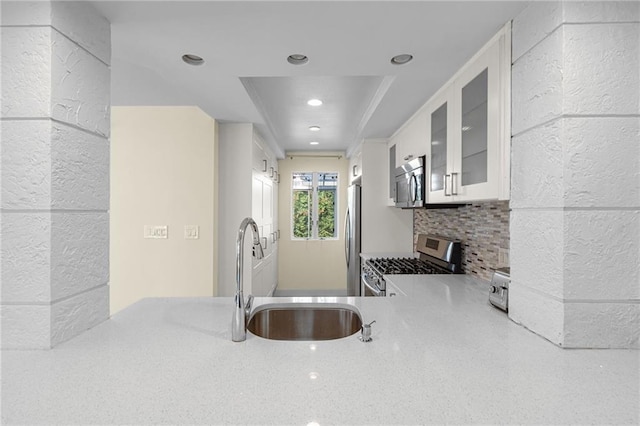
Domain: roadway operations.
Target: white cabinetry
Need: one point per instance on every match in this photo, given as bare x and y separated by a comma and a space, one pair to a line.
249, 182
264, 202
264, 215
411, 139
464, 130
467, 128
263, 160
355, 165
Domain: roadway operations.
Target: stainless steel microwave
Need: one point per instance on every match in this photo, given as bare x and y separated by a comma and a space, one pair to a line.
410, 187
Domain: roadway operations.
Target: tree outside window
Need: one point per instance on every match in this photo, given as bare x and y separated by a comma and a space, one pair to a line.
314, 204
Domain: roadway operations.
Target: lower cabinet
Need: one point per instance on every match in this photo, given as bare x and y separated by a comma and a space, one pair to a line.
264, 276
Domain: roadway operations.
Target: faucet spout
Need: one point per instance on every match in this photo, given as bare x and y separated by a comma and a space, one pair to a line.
240, 314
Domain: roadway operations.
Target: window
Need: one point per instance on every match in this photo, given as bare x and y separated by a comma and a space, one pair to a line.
314, 205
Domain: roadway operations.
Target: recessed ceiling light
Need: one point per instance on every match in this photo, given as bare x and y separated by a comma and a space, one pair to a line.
192, 59
314, 128
314, 102
435, 142
401, 59
297, 59
314, 143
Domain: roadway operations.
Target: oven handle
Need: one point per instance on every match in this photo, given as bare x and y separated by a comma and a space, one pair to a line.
413, 187
371, 286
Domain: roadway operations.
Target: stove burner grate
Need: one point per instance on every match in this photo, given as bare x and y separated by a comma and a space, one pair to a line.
390, 266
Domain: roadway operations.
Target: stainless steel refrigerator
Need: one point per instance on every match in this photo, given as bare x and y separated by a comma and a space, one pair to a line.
352, 239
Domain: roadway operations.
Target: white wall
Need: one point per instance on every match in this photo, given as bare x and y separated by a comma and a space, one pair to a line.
163, 162
236, 145
384, 228
55, 171
311, 265
575, 194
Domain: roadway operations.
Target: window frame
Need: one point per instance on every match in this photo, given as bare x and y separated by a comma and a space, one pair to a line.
314, 207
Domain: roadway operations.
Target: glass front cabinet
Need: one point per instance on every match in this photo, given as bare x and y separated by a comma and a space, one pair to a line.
469, 129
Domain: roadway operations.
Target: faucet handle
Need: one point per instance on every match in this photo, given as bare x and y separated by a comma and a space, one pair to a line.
247, 310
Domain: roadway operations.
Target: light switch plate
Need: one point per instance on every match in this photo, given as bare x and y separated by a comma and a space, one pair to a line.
191, 232
156, 231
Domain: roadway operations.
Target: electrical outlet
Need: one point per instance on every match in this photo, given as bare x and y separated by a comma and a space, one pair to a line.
191, 232
154, 231
503, 257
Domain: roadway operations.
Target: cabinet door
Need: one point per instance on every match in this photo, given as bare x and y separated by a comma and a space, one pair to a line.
259, 213
259, 161
265, 240
415, 137
401, 149
271, 166
441, 151
274, 274
355, 166
268, 278
256, 198
257, 282
267, 213
476, 170
274, 220
267, 201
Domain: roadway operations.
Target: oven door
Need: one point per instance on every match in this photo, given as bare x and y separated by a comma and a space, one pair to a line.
416, 188
370, 287
402, 191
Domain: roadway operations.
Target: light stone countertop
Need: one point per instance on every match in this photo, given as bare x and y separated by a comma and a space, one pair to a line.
441, 354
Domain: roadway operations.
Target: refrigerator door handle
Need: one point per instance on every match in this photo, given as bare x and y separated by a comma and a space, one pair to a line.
347, 237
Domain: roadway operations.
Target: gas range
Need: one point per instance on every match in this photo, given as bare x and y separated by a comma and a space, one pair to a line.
403, 265
437, 255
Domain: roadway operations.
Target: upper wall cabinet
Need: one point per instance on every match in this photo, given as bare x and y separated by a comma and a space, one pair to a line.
410, 141
263, 160
468, 129
355, 165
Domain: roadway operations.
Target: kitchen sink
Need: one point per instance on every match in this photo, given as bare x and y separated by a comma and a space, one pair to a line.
302, 321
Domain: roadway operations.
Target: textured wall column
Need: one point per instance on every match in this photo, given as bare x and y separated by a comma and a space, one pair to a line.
55, 171
575, 224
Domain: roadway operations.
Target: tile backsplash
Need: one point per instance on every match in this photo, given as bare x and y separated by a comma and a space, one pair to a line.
483, 228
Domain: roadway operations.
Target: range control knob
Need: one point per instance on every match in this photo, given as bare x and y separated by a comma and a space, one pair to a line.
493, 289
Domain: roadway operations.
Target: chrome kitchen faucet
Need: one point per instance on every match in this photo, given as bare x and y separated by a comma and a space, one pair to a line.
240, 310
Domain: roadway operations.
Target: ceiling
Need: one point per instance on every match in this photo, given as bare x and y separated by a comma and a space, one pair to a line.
246, 76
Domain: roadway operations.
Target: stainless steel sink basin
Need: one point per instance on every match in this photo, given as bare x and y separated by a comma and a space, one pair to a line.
304, 322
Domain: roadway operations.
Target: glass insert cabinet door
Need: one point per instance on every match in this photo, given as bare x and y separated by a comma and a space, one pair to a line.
474, 130
438, 143
468, 131
475, 174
